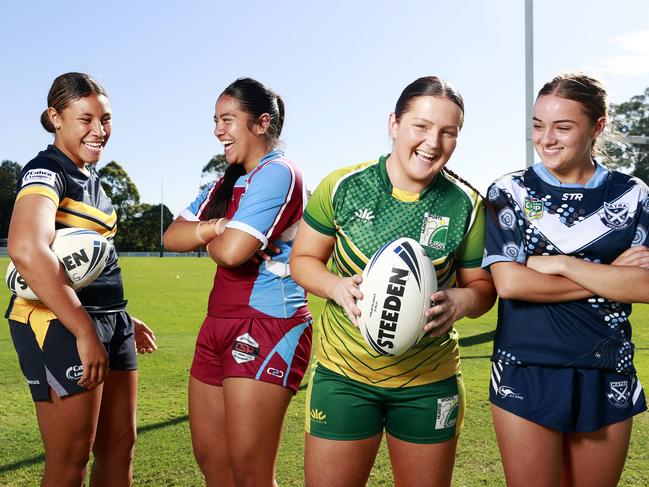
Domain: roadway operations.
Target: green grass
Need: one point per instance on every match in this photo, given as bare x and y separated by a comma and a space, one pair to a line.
171, 295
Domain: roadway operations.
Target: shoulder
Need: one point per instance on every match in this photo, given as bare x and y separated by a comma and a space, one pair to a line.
338, 179
41, 169
461, 188
628, 180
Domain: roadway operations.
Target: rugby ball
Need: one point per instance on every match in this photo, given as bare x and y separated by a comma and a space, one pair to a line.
397, 284
82, 253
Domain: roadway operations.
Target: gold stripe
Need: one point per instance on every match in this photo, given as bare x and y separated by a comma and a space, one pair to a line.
35, 315
40, 190
90, 211
74, 221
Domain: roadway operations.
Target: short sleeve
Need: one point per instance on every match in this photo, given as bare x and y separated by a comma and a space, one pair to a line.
504, 236
471, 251
319, 212
194, 210
267, 197
44, 177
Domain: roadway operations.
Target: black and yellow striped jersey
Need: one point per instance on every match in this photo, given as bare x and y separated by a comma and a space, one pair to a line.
81, 203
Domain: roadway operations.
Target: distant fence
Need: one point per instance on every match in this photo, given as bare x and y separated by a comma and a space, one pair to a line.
165, 254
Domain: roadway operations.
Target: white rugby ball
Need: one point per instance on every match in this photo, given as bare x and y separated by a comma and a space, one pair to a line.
397, 284
83, 254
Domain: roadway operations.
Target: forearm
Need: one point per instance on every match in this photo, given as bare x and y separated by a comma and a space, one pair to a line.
46, 277
312, 274
625, 284
184, 235
517, 281
232, 248
479, 297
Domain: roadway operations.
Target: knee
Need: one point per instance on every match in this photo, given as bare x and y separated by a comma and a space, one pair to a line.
119, 445
66, 467
252, 468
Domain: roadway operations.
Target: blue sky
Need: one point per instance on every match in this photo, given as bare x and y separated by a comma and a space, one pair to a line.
339, 65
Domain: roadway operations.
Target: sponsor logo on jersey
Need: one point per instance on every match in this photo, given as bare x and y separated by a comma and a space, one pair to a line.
364, 214
33, 382
75, 372
275, 372
434, 230
318, 416
572, 196
507, 392
245, 349
447, 409
533, 208
616, 215
39, 176
620, 393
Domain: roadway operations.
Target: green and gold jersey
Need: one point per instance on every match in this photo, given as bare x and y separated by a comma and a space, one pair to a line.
359, 207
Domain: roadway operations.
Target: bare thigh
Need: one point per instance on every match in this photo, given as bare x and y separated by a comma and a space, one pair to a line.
254, 413
68, 426
527, 447
337, 463
416, 464
596, 459
207, 426
116, 430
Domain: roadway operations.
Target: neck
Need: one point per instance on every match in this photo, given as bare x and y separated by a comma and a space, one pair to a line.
254, 158
400, 180
575, 175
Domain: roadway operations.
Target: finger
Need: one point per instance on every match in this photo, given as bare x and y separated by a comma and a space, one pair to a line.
357, 279
355, 292
274, 248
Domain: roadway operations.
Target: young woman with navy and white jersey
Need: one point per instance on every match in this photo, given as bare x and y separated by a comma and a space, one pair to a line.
254, 345
67, 331
567, 248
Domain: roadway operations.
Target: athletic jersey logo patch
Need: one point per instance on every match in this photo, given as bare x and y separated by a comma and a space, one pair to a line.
39, 176
615, 215
447, 408
318, 416
245, 349
620, 393
434, 230
533, 208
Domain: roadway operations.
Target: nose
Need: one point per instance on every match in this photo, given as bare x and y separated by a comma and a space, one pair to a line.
433, 139
98, 128
219, 129
547, 137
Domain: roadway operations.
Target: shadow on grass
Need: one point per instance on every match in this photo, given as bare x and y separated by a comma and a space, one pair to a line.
477, 339
28, 462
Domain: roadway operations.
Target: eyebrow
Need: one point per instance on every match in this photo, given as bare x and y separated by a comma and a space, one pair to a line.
555, 121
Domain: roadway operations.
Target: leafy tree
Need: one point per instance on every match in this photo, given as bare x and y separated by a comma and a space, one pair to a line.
631, 118
120, 188
140, 232
9, 174
214, 169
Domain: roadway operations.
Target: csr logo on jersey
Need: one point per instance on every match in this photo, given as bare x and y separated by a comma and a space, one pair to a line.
616, 215
39, 176
75, 372
620, 393
533, 208
245, 349
434, 230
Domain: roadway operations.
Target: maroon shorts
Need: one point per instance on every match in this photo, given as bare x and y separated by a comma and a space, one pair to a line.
271, 350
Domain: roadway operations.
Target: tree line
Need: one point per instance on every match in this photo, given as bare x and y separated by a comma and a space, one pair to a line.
139, 223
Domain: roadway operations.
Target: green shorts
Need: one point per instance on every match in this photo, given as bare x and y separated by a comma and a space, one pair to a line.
339, 408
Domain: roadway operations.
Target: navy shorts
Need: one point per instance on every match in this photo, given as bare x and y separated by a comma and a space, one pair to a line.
566, 399
47, 351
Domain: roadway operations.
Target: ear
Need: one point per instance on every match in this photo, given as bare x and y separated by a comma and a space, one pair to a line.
55, 117
263, 122
599, 126
393, 125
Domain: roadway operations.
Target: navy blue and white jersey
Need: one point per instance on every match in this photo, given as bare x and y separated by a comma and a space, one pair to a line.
533, 213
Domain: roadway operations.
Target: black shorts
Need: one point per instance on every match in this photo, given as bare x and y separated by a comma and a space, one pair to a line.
47, 351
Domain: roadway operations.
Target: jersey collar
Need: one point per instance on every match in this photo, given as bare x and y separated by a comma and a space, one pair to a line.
400, 194
596, 180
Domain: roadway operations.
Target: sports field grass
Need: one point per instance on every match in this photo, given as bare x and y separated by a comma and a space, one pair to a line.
170, 295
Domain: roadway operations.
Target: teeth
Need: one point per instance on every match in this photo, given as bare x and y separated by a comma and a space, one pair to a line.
93, 145
427, 155
227, 142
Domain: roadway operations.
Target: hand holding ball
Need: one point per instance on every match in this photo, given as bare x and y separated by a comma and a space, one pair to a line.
397, 284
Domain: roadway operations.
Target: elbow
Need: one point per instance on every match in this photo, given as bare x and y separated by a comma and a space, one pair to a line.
505, 290
228, 261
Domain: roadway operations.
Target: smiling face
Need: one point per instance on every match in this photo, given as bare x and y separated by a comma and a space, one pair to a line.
82, 128
424, 140
243, 142
563, 136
